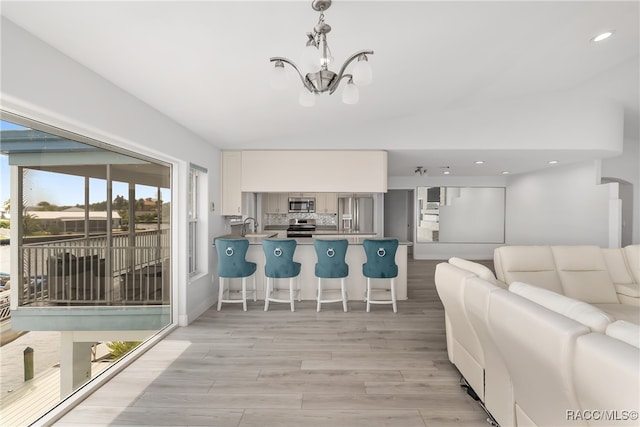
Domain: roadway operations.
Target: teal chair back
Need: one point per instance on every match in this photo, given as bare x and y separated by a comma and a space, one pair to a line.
279, 258
331, 255
231, 258
381, 258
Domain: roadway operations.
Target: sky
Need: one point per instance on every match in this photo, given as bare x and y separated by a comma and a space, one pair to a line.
46, 186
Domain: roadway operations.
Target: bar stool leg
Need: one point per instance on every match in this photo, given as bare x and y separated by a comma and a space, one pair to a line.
299, 288
319, 293
368, 296
220, 292
291, 291
393, 295
344, 294
267, 293
244, 293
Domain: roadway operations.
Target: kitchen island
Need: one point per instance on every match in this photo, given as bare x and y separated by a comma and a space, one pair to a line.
305, 254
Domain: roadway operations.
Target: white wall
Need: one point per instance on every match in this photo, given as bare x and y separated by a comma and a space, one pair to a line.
40, 83
558, 206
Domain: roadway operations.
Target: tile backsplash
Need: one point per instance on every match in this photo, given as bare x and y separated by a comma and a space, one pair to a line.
283, 219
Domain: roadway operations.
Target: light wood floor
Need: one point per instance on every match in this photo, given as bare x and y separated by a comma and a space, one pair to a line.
235, 368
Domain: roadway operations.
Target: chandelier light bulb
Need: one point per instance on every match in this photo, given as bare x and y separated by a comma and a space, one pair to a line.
278, 76
306, 98
325, 61
350, 94
362, 72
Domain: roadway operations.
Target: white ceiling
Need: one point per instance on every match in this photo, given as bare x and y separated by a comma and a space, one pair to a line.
205, 64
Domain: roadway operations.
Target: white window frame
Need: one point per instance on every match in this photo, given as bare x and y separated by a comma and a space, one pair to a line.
196, 211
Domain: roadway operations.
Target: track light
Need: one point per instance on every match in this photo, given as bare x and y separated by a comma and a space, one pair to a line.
419, 171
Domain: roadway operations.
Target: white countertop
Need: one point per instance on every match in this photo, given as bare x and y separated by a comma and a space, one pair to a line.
351, 238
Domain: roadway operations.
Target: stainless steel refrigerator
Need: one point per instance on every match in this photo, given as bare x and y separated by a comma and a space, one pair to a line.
355, 213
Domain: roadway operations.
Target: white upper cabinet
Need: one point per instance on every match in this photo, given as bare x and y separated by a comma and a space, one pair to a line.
327, 203
231, 171
276, 203
314, 171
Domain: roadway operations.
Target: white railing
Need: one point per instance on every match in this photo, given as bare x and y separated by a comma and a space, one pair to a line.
5, 306
133, 270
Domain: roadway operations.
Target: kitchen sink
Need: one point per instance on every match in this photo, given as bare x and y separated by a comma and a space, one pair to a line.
258, 235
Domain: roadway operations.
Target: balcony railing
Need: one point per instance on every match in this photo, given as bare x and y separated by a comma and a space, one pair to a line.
89, 271
5, 306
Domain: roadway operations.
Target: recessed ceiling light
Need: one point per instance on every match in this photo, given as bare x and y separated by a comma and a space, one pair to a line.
552, 162
505, 172
446, 172
602, 36
479, 162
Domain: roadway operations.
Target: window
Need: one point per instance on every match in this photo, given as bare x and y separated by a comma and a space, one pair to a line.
196, 206
92, 234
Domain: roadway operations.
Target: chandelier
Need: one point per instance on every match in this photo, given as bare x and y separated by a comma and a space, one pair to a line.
314, 69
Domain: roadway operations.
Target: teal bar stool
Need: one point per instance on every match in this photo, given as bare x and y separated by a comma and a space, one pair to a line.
331, 265
232, 264
280, 265
381, 264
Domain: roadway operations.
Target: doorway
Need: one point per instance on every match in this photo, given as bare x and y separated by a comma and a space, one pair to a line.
399, 215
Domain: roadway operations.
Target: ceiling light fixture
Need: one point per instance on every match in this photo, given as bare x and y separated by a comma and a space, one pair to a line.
505, 172
553, 162
602, 36
314, 66
479, 162
446, 172
419, 171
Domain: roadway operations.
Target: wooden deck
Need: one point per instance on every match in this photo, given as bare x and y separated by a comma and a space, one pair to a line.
277, 368
30, 401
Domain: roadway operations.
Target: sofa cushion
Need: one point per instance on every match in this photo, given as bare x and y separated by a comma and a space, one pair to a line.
529, 264
586, 314
605, 374
632, 256
463, 346
617, 266
478, 269
630, 313
628, 289
583, 274
536, 345
625, 331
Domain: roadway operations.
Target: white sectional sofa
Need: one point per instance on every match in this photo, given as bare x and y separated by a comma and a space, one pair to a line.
535, 356
606, 278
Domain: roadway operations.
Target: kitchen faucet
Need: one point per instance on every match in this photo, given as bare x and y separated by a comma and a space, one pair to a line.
244, 226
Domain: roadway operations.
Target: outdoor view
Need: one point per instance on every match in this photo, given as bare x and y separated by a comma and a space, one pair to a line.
83, 227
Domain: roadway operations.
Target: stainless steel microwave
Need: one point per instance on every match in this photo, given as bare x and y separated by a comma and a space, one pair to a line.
302, 204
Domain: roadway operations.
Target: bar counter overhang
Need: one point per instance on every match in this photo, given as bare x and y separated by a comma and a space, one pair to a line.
306, 255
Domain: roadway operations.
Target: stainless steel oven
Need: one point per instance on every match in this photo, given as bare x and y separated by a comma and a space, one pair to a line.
302, 204
301, 228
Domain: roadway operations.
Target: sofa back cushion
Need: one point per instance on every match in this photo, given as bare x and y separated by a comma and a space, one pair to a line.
529, 264
617, 265
625, 331
583, 274
478, 269
632, 256
605, 375
498, 391
537, 346
463, 346
586, 314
